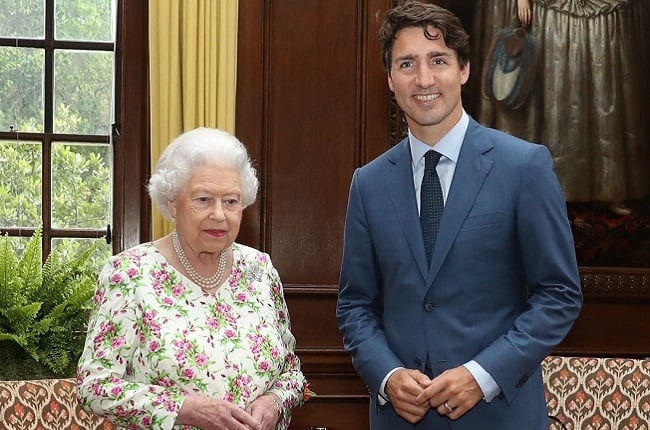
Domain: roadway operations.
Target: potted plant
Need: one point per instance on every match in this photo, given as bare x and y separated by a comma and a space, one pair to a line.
43, 310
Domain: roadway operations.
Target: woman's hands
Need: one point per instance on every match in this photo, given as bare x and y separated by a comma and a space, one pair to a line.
523, 12
266, 409
212, 414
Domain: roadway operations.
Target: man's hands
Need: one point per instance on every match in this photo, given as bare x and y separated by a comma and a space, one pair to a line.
412, 393
455, 389
403, 388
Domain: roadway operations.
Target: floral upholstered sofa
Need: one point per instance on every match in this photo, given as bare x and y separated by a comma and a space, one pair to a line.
587, 393
582, 393
46, 404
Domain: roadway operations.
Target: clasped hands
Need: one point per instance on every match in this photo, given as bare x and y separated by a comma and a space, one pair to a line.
211, 414
413, 394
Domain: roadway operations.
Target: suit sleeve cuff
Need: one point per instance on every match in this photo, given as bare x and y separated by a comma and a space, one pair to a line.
485, 381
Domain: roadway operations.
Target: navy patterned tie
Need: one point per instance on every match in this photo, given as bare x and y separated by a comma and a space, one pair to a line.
431, 202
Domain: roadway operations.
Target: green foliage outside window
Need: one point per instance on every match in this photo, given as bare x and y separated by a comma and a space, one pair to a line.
81, 185
82, 92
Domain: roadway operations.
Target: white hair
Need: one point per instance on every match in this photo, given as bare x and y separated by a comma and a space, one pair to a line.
200, 147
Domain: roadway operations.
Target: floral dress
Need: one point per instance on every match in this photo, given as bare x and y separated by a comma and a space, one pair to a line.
154, 337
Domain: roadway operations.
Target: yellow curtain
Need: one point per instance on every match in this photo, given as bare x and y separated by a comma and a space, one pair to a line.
193, 72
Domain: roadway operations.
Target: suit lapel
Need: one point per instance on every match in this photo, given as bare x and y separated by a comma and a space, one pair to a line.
402, 195
471, 170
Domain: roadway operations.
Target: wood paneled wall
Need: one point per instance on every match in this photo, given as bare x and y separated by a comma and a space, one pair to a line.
313, 104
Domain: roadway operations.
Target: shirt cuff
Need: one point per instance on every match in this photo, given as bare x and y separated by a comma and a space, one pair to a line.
382, 397
487, 383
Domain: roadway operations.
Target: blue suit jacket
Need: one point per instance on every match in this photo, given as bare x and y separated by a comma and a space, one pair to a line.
502, 289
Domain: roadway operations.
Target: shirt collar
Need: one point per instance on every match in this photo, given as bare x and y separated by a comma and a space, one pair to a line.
448, 146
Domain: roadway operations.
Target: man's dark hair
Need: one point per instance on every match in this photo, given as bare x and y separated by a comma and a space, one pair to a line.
417, 14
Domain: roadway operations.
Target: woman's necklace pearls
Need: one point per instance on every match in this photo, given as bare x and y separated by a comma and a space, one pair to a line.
206, 283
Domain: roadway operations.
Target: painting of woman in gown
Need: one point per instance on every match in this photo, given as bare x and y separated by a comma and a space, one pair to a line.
587, 99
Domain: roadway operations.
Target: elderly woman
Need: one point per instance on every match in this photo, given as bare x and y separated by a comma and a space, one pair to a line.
192, 330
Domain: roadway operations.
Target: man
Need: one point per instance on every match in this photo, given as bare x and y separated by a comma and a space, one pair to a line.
454, 343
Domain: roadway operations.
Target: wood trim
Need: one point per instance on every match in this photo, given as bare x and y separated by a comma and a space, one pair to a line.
618, 284
598, 283
132, 207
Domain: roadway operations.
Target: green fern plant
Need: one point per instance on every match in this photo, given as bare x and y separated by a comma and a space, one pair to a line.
44, 306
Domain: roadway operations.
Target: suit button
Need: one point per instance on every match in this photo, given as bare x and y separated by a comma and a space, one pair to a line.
417, 362
428, 307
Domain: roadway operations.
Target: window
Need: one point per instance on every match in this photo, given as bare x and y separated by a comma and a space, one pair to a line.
57, 109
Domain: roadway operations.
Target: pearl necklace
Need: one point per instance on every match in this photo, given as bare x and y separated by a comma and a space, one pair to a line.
206, 283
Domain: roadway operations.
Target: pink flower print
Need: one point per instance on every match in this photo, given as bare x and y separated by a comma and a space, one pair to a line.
154, 346
107, 327
149, 316
212, 322
241, 297
160, 275
188, 373
257, 338
132, 273
155, 328
229, 333
101, 353
186, 345
171, 407
242, 384
116, 279
168, 301
275, 353
120, 411
223, 308
264, 365
146, 422
178, 289
165, 382
98, 340
99, 297
235, 276
229, 397
116, 391
201, 359
261, 257
118, 342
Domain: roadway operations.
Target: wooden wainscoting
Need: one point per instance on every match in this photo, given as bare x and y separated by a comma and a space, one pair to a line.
342, 402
